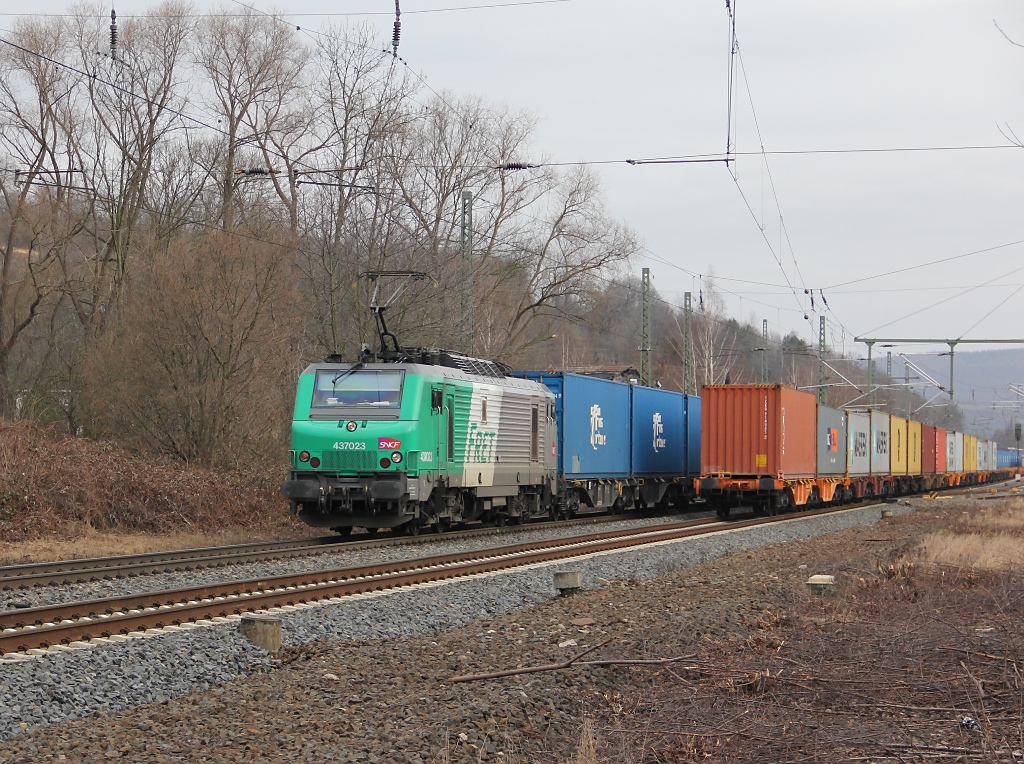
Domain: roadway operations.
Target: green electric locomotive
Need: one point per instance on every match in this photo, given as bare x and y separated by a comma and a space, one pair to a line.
407, 439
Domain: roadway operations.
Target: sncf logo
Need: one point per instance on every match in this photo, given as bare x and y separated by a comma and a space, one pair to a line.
833, 439
597, 438
659, 429
387, 444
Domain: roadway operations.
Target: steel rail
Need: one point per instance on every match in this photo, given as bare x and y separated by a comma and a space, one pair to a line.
107, 606
43, 627
84, 570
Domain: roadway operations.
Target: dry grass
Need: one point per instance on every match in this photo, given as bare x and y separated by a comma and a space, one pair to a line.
998, 552
586, 750
98, 544
991, 538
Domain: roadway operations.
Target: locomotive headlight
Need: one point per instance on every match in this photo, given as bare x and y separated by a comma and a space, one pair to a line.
304, 456
351, 426
397, 457
385, 463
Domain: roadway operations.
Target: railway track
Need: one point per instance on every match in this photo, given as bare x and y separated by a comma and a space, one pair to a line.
13, 577
76, 622
70, 623
26, 576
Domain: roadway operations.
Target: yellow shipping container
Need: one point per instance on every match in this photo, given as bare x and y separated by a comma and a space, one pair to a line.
913, 448
970, 453
898, 445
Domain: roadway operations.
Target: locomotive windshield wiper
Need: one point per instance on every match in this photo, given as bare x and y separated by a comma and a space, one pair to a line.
342, 374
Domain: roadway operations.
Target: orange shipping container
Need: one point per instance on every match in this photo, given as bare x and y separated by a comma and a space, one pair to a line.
914, 448
758, 430
898, 445
941, 450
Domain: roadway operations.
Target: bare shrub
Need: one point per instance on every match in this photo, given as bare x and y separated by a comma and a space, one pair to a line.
201, 369
103, 487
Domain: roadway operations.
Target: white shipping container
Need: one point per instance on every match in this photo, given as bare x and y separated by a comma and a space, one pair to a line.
950, 451
879, 443
958, 457
858, 446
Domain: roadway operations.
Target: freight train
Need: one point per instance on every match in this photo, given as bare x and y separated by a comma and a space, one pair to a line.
438, 438
774, 448
413, 438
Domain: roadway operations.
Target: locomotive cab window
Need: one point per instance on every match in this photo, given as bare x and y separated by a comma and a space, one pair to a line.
338, 392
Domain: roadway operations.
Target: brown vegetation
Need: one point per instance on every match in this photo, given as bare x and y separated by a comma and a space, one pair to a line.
54, 486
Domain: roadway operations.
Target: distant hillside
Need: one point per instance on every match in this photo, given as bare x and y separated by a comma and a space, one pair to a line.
981, 380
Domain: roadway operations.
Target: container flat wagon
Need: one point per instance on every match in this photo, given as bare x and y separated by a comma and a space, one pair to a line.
772, 448
758, 447
621, 445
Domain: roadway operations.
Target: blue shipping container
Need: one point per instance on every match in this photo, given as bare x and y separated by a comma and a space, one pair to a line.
659, 432
593, 424
1007, 459
692, 435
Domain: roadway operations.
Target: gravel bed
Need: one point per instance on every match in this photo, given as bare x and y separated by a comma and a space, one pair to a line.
60, 686
54, 594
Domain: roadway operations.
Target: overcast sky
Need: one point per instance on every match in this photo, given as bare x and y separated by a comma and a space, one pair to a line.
648, 78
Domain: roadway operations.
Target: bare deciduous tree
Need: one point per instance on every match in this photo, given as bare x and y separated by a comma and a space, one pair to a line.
208, 328
253, 65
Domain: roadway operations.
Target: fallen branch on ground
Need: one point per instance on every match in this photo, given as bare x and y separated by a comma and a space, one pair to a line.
534, 670
571, 662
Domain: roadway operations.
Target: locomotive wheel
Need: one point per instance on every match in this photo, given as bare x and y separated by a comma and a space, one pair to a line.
344, 530
499, 520
371, 532
722, 511
443, 525
412, 528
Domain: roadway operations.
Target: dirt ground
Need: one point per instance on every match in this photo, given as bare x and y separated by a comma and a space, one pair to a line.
916, 657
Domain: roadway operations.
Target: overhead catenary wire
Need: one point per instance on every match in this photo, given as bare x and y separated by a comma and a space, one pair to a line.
942, 301
928, 264
735, 178
994, 309
323, 14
